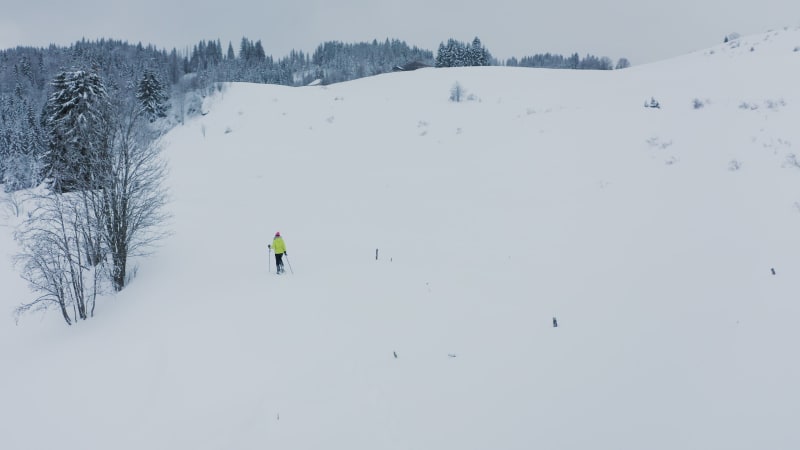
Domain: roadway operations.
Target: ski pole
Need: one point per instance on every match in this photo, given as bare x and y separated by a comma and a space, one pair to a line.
269, 257
287, 262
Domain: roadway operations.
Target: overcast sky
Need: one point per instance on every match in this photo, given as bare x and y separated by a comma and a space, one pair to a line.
640, 30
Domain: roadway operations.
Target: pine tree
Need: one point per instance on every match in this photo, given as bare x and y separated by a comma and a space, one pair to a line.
20, 148
245, 49
441, 56
459, 52
151, 96
75, 120
478, 56
258, 51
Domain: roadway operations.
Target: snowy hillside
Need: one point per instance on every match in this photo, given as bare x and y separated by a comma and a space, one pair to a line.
649, 233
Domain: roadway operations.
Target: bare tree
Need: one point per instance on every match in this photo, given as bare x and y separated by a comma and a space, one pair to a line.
456, 92
52, 258
131, 202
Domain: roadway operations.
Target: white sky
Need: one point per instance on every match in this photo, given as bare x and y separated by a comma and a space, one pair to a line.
641, 30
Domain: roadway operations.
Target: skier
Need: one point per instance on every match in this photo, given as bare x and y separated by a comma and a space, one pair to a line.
279, 247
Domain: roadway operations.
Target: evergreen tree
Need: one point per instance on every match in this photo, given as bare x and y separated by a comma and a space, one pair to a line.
574, 61
460, 54
441, 56
258, 51
478, 56
152, 97
245, 49
20, 148
75, 120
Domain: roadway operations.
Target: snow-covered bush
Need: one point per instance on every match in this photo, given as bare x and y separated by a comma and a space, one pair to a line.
11, 203
732, 37
193, 104
656, 142
653, 103
423, 126
750, 106
775, 104
791, 161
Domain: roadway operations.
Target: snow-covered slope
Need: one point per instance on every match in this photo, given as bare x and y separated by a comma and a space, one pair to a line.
649, 234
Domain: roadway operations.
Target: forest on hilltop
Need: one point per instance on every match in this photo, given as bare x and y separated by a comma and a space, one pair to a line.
182, 79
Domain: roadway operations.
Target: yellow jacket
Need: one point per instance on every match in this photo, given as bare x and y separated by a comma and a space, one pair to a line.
278, 246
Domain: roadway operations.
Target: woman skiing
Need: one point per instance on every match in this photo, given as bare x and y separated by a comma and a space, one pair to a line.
279, 247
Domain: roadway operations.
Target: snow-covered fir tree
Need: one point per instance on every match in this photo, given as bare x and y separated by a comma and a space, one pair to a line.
152, 96
460, 54
75, 120
441, 56
20, 150
478, 55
